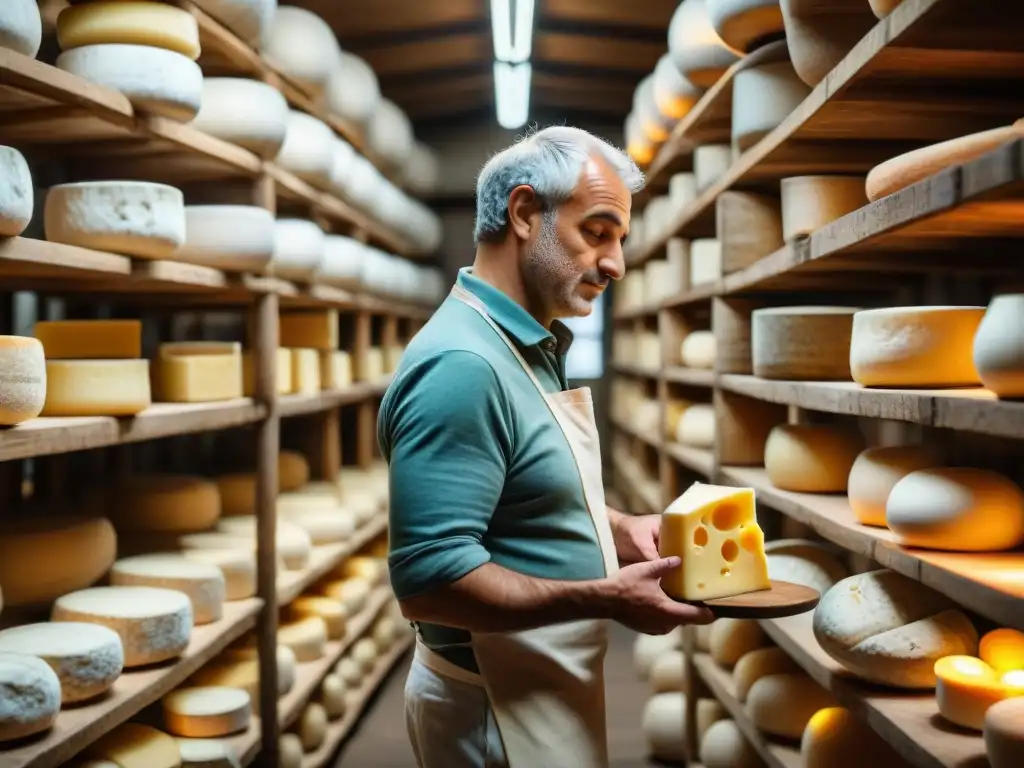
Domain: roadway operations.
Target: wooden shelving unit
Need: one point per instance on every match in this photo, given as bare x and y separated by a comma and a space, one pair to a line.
932, 70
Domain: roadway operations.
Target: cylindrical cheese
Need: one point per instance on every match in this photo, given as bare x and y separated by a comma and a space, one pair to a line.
915, 347
22, 375
290, 751
697, 50
804, 562
758, 663
161, 504
135, 22
837, 738
238, 568
956, 508
877, 470
229, 237
1004, 733
669, 673
204, 713
802, 343
313, 726
329, 610
21, 27
746, 24
662, 725
245, 112
710, 163
332, 696
301, 45
999, 346
203, 583
698, 350
648, 648
29, 696
725, 746
306, 637
705, 261
731, 639
207, 753
133, 745
299, 247
248, 19
308, 149
17, 199
673, 93
782, 704
811, 458
764, 93
965, 688
811, 202
697, 426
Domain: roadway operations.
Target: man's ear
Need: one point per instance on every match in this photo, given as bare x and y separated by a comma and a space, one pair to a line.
524, 211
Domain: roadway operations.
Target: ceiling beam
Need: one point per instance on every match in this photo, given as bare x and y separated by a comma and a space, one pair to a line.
651, 14
437, 53
353, 19
601, 53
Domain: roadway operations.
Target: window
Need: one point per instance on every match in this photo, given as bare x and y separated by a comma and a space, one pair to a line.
586, 355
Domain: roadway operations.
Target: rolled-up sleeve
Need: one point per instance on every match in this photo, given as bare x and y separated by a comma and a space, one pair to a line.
445, 429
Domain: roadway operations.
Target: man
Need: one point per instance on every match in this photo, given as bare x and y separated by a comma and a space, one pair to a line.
503, 552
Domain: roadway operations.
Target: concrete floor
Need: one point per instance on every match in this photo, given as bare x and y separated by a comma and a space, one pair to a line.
380, 740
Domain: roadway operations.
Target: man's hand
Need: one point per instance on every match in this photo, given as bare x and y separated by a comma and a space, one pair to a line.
638, 601
636, 537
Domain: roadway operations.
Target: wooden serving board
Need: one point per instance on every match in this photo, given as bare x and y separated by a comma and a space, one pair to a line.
783, 599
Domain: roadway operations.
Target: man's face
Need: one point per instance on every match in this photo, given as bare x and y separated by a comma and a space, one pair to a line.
579, 247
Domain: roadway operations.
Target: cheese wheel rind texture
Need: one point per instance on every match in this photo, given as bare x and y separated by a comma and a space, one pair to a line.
732, 639
206, 712
811, 458
837, 738
87, 658
203, 583
245, 112
697, 50
802, 343
313, 726
154, 624
660, 723
130, 22
956, 508
22, 379
744, 24
246, 18
811, 202
1004, 733
17, 198
301, 45
135, 218
889, 629
231, 237
669, 673
725, 746
877, 470
21, 27
763, 97
29, 696
999, 346
782, 704
806, 563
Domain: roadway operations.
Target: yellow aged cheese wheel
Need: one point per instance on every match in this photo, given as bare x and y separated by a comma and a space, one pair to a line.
782, 704
731, 639
90, 339
811, 202
836, 738
1003, 650
811, 458
131, 22
161, 504
877, 470
206, 712
725, 746
326, 608
292, 471
759, 663
133, 745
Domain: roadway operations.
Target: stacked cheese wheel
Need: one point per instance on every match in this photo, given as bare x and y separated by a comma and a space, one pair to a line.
147, 50
198, 372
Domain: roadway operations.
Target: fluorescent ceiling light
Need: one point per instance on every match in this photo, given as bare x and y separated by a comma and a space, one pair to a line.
512, 42
512, 93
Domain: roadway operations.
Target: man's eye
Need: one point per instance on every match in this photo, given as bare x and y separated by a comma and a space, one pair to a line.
598, 234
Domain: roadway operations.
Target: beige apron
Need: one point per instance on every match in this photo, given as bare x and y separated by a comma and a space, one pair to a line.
546, 685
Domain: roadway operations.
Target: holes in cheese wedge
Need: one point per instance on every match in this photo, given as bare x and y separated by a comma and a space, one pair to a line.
726, 571
726, 516
752, 539
730, 550
700, 536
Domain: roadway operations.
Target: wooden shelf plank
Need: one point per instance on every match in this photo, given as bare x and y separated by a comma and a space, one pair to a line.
644, 488
776, 755
652, 440
909, 721
299, 405
699, 460
991, 584
46, 436
635, 312
78, 727
632, 369
694, 377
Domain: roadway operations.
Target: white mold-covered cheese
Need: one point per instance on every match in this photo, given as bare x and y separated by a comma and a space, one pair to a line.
230, 237
299, 247
245, 112
999, 346
764, 93
293, 543
668, 672
246, 18
206, 712
802, 343
352, 89
390, 133
313, 726
155, 80
203, 583
29, 696
21, 28
87, 658
705, 261
332, 696
237, 567
301, 45
725, 746
662, 725
136, 218
22, 379
648, 648
154, 624
811, 458
888, 629
877, 470
17, 198
308, 148
697, 50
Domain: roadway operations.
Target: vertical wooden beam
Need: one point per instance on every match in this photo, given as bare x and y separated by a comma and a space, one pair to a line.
366, 433
361, 341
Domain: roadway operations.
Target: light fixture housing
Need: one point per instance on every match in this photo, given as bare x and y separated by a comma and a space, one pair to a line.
513, 33
512, 93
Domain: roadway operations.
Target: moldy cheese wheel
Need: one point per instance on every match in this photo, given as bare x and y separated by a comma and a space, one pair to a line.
22, 379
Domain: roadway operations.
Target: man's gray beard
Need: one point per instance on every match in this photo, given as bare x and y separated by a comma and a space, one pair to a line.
550, 276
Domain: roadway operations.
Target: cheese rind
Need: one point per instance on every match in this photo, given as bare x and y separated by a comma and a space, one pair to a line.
292, 471
17, 199
660, 723
301, 45
332, 696
314, 330
335, 370
1004, 733
313, 726
133, 22
299, 247
207, 753
714, 531
29, 696
308, 148
154, 624
758, 663
136, 218
306, 637
877, 470
22, 379
743, 24
238, 569
352, 593
90, 339
161, 503
364, 652
782, 704
206, 712
802, 343
293, 543
1003, 650
21, 27
133, 745
331, 611
804, 562
762, 98
246, 18
698, 350
305, 371
811, 202
230, 237
648, 648
697, 50
732, 639
245, 112
811, 458
965, 688
87, 658
705, 261
203, 583
725, 746
290, 751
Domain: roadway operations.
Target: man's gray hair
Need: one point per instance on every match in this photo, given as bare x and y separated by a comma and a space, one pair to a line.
551, 161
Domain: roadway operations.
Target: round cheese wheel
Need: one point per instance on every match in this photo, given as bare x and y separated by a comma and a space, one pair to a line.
135, 22
329, 610
697, 426
423, 170
1003, 650
97, 387
136, 218
343, 157
237, 567
365, 653
341, 262
653, 123
306, 637
248, 19
21, 28
133, 745
709, 712
674, 95
640, 148
877, 470
245, 112
229, 237
710, 163
764, 93
820, 36
384, 633
325, 526
725, 746
154, 624
882, 8
203, 583
759, 663
207, 753
22, 376
966, 708
915, 347
705, 261
353, 90
390, 132
648, 648
292, 470
351, 593
888, 629
836, 738
161, 504
698, 350
42, 558
206, 712
956, 508
746, 24
682, 190
350, 671
731, 639
371, 569
811, 458
662, 725
698, 52
702, 637
301, 45
802, 343
299, 247
805, 562
29, 696
17, 200
154, 80
668, 673
238, 667
313, 726
1004, 733
332, 697
811, 202
293, 544
999, 346
308, 149
289, 751
782, 704
87, 658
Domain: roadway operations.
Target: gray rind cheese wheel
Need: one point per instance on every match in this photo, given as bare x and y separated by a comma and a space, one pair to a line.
29, 696
745, 25
21, 28
17, 196
802, 343
698, 52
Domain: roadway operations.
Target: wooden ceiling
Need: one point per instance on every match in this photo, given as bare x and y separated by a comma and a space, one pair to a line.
434, 57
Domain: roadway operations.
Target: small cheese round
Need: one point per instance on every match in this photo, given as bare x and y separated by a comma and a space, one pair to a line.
332, 696
161, 504
889, 629
22, 373
725, 746
239, 667
97, 388
877, 470
731, 639
744, 24
237, 567
306, 637
229, 237
246, 18
673, 93
133, 22
352, 89
365, 653
668, 673
299, 248
329, 610
662, 724
349, 670
205, 713
956, 508
709, 712
648, 648
759, 663
804, 562
915, 347
293, 543
389, 133
292, 470
308, 148
203, 583
1004, 733
87, 658
765, 91
207, 753
811, 202
17, 200
710, 163
998, 345
697, 426
697, 50
300, 44
384, 633
811, 458
245, 112
135, 218
154, 624
1003, 650
323, 526
289, 751
43, 558
21, 28
802, 343
156, 81
313, 726
371, 569
29, 696
351, 593
836, 738
782, 704
698, 350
